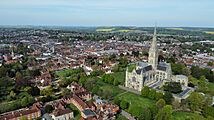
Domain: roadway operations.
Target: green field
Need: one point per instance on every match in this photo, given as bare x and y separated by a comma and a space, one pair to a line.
210, 85
175, 28
114, 90
211, 88
209, 32
64, 73
187, 116
136, 100
105, 29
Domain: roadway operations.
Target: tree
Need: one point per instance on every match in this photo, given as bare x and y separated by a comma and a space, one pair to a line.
3, 71
202, 84
165, 113
47, 91
117, 100
195, 101
116, 68
12, 94
27, 101
158, 95
123, 62
124, 104
168, 97
210, 63
19, 78
135, 53
116, 82
66, 91
196, 72
154, 111
146, 114
82, 80
176, 104
208, 111
95, 89
48, 108
131, 67
174, 87
210, 118
160, 103
145, 91
152, 94
34, 91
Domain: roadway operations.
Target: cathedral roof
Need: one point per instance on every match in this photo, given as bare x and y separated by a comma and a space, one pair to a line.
163, 66
143, 67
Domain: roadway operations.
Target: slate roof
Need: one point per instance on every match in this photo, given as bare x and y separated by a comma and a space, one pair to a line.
162, 66
88, 112
144, 69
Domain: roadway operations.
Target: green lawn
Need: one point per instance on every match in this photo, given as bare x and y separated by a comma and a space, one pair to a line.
210, 85
114, 90
187, 115
64, 73
105, 29
136, 100
211, 88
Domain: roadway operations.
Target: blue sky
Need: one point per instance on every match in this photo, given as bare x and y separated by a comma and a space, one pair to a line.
169, 13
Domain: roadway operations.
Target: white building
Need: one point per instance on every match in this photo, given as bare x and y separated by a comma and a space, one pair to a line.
151, 73
63, 114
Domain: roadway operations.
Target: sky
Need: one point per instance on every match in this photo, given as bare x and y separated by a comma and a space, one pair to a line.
166, 13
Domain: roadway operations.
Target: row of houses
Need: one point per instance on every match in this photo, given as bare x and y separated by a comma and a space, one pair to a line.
91, 107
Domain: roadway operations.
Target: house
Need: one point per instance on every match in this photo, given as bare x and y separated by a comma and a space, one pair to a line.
80, 91
62, 114
88, 114
29, 113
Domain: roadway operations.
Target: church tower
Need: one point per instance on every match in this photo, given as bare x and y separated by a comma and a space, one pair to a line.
153, 51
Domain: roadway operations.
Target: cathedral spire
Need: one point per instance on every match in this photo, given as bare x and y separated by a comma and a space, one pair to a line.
153, 51
154, 40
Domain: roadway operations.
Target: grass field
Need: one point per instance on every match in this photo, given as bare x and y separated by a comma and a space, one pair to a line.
136, 100
105, 30
125, 30
175, 28
187, 116
64, 73
210, 32
210, 85
110, 88
211, 88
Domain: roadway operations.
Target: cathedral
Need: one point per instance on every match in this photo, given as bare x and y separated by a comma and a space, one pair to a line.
152, 73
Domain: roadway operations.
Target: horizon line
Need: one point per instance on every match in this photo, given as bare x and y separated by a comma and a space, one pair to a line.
104, 26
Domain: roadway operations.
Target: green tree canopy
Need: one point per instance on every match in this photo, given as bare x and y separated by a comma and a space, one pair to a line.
174, 87
160, 103
165, 113
195, 101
